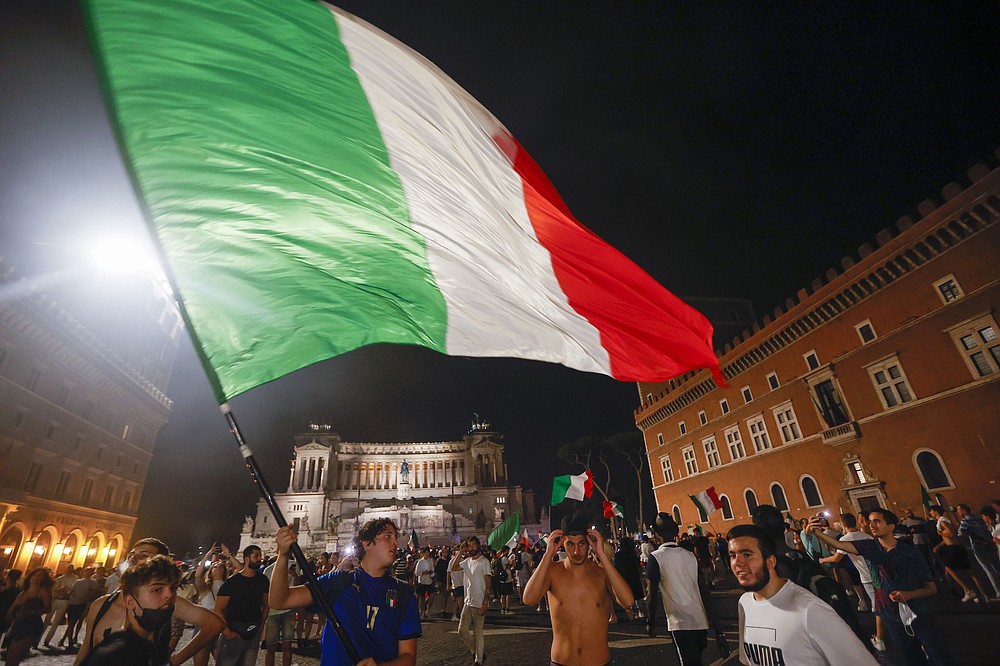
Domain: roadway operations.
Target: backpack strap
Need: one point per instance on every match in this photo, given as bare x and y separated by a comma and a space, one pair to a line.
102, 611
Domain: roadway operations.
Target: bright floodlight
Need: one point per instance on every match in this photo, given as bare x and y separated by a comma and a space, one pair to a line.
116, 256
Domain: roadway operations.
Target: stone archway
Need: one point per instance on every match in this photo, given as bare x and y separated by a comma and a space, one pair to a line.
10, 545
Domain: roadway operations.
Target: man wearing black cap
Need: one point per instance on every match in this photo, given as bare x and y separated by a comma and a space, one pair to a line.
675, 577
579, 593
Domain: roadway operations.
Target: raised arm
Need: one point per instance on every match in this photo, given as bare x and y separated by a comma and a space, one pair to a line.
619, 588
280, 596
210, 626
815, 527
539, 582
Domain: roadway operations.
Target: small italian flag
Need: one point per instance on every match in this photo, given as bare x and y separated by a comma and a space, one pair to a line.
574, 487
612, 509
707, 502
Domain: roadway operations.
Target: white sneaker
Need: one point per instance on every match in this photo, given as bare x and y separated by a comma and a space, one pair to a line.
969, 596
878, 643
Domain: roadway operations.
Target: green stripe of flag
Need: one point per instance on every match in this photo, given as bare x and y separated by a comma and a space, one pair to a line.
503, 532
236, 123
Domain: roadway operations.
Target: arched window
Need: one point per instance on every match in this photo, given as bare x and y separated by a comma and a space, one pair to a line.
778, 496
727, 508
931, 469
677, 514
810, 491
751, 499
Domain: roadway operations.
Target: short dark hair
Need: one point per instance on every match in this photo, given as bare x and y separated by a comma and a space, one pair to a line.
371, 529
888, 516
248, 551
476, 539
666, 527
764, 540
988, 511
161, 548
769, 518
157, 567
936, 507
849, 520
964, 507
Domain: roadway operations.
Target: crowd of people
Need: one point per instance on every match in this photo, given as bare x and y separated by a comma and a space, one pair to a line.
804, 583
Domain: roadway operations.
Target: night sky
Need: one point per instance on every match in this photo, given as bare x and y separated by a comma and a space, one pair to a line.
730, 149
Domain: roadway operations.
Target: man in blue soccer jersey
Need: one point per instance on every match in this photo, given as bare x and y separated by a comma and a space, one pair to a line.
379, 612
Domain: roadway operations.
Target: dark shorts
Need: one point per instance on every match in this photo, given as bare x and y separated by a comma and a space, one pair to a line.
505, 588
425, 590
75, 611
954, 557
458, 591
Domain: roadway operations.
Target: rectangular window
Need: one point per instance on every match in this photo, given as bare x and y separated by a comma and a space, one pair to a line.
683, 427
63, 396
948, 289
649, 398
735, 443
812, 360
668, 471
3, 357
890, 383
690, 463
702, 418
31, 481
127, 500
61, 485
34, 378
659, 438
711, 452
788, 425
50, 432
747, 394
724, 406
88, 409
758, 433
830, 404
772, 380
866, 332
77, 442
19, 416
88, 490
109, 496
977, 342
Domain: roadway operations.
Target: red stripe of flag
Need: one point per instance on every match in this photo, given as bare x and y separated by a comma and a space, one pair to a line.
715, 498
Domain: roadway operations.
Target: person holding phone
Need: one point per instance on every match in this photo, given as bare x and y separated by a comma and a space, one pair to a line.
579, 591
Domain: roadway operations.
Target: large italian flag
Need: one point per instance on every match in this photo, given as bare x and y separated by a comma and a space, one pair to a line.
317, 186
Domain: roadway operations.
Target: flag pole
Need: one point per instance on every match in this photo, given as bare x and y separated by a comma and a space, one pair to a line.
310, 576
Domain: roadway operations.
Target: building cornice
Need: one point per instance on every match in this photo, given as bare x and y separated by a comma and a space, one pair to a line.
964, 215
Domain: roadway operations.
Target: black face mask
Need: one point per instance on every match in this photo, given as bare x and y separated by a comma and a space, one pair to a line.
153, 619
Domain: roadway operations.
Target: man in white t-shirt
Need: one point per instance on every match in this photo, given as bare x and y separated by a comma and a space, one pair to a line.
477, 578
676, 579
852, 533
780, 622
423, 575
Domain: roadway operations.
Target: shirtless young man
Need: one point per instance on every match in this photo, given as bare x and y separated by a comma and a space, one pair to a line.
113, 618
579, 593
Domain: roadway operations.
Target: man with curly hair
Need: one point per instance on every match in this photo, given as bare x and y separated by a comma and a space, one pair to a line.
378, 612
149, 591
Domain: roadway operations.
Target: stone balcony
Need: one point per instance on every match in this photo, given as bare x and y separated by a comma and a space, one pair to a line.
844, 432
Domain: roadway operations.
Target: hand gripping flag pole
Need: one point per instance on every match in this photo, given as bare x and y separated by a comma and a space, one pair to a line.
310, 576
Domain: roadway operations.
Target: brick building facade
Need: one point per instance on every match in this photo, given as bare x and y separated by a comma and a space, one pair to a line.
882, 376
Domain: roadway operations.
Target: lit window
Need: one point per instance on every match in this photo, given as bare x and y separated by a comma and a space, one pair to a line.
690, 463
890, 383
978, 344
758, 433
788, 425
812, 360
772, 380
724, 406
948, 289
668, 472
702, 418
747, 394
683, 427
735, 443
711, 452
